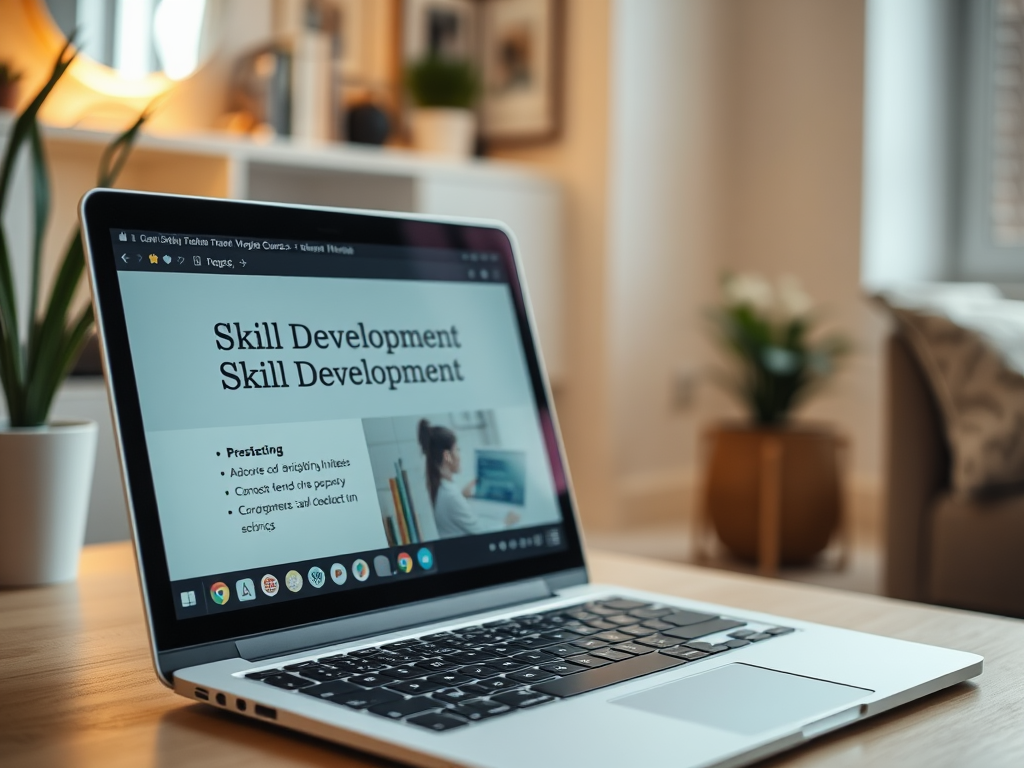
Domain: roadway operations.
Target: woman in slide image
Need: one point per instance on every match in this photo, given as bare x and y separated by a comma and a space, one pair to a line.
452, 512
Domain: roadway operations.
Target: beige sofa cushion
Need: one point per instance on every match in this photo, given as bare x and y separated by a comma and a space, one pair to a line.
976, 554
971, 347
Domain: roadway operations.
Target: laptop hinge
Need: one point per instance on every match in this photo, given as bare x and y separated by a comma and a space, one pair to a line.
392, 619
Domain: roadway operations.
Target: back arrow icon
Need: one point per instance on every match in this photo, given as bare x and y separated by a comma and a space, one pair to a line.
124, 257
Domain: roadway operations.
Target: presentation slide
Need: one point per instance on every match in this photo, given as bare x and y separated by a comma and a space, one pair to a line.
282, 414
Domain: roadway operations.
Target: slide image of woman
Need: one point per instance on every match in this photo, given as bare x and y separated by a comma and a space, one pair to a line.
452, 511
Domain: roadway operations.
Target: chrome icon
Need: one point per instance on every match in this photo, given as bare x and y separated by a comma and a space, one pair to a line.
425, 558
404, 562
220, 593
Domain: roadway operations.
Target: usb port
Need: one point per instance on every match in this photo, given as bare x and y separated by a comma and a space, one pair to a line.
202, 694
268, 712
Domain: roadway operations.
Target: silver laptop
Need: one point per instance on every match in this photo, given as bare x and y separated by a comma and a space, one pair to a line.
353, 516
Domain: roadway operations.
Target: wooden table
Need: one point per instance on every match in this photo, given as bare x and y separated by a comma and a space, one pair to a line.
77, 687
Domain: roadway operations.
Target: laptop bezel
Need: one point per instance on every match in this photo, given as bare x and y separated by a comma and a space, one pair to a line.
104, 210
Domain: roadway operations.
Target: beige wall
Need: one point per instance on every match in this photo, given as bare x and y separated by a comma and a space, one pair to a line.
794, 183
579, 161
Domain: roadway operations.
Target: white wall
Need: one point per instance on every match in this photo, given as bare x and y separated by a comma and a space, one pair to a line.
909, 135
664, 235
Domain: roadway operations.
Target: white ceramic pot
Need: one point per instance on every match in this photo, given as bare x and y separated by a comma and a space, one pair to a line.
444, 131
45, 480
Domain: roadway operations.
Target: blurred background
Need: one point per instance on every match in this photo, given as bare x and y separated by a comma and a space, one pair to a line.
642, 149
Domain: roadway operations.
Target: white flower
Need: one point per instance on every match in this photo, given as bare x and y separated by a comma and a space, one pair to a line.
750, 290
793, 300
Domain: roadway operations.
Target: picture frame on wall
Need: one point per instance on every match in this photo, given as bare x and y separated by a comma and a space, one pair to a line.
520, 70
444, 28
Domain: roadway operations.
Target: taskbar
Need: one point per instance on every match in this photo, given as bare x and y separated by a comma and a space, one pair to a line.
325, 575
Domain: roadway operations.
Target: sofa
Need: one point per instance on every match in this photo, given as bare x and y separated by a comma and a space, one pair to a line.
943, 547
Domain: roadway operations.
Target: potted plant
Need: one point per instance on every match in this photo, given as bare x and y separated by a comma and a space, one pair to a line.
45, 467
8, 86
778, 362
444, 91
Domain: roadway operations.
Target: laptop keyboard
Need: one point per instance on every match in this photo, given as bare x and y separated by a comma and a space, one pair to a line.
451, 679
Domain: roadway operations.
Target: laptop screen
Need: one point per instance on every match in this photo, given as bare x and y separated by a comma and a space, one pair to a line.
323, 416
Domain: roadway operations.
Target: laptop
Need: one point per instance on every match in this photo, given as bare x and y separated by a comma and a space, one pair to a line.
303, 398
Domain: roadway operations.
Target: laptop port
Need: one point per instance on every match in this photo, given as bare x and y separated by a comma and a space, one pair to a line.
222, 699
202, 694
240, 703
268, 712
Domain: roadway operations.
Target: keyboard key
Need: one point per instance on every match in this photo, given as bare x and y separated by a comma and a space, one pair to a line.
534, 675
657, 624
370, 681
736, 643
650, 613
601, 625
263, 673
522, 699
503, 649
684, 618
772, 631
301, 665
684, 653
507, 665
739, 634
396, 710
590, 643
632, 648
401, 644
535, 657
592, 679
600, 609
621, 604
322, 674
636, 630
363, 653
623, 620
583, 629
479, 671
366, 699
530, 643
586, 660
562, 668
657, 641
492, 685
561, 636
450, 678
454, 695
288, 682
436, 722
357, 666
471, 657
403, 673
562, 650
481, 710
435, 665
758, 637
414, 687
437, 637
333, 691
613, 637
611, 654
707, 647
693, 631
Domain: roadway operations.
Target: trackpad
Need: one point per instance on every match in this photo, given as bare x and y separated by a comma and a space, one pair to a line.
743, 699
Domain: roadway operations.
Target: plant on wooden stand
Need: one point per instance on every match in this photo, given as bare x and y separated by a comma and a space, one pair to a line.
45, 469
769, 333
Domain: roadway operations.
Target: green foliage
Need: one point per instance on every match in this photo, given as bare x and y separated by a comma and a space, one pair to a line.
7, 74
768, 335
33, 365
441, 82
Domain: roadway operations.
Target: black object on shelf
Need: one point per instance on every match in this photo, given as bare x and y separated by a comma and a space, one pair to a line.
368, 124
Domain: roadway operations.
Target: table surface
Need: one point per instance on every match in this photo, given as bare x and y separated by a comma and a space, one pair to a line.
77, 687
